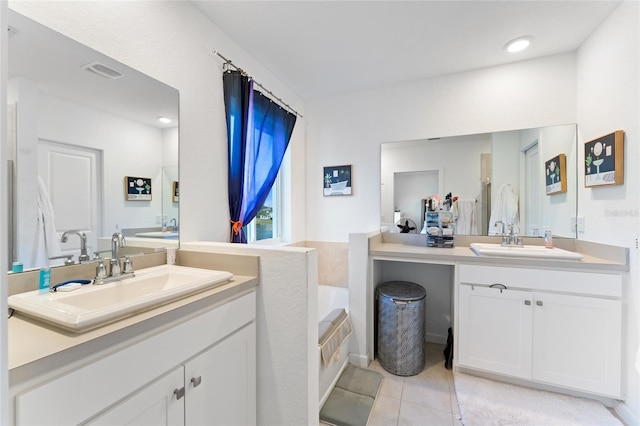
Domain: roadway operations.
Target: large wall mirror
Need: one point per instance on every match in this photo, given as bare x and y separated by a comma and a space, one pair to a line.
533, 171
87, 150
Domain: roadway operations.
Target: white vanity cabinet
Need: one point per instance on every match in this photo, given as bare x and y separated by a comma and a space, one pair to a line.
198, 370
556, 327
214, 388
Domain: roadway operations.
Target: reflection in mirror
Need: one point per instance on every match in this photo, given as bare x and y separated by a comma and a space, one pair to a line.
80, 123
490, 174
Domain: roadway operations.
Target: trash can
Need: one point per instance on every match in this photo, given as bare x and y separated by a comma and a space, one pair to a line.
401, 327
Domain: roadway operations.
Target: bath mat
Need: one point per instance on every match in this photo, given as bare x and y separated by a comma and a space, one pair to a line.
359, 380
488, 402
351, 401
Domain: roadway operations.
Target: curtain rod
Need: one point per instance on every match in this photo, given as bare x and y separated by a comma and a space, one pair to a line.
228, 62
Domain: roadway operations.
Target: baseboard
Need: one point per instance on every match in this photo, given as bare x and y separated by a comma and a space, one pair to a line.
436, 338
624, 412
359, 360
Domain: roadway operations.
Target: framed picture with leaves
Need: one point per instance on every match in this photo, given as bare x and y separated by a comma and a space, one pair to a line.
555, 171
604, 160
137, 188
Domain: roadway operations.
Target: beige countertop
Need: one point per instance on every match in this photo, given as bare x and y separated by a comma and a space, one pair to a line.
463, 254
35, 348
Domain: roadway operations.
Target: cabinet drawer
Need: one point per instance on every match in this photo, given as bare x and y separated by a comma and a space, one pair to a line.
587, 283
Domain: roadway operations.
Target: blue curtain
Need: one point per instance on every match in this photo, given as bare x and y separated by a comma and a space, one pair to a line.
258, 131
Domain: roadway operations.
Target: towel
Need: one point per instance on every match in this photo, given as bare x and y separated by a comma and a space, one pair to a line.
465, 213
47, 242
505, 209
333, 330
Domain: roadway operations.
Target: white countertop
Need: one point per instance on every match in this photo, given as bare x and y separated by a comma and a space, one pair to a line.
451, 256
35, 348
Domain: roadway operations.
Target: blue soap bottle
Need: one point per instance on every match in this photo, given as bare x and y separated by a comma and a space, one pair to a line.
45, 279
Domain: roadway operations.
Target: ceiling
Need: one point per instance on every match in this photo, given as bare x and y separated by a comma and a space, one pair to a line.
56, 63
324, 48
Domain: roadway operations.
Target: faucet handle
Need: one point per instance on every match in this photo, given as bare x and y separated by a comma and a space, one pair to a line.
127, 268
115, 267
101, 270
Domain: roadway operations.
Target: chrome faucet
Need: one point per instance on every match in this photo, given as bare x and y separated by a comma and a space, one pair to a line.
83, 257
512, 237
174, 228
117, 241
116, 272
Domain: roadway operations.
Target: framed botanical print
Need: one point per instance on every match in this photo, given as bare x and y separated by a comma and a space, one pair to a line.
176, 192
555, 171
137, 188
604, 160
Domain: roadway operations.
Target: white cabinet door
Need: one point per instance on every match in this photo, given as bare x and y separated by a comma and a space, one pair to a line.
577, 342
154, 405
495, 330
221, 382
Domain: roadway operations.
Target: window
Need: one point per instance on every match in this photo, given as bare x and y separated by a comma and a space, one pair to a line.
267, 224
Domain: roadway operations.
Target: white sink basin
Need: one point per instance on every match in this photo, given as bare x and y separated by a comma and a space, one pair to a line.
95, 305
485, 249
159, 234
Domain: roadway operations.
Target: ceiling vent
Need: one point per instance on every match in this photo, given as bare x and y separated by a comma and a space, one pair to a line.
103, 70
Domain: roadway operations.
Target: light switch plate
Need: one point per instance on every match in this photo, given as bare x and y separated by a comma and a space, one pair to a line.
580, 223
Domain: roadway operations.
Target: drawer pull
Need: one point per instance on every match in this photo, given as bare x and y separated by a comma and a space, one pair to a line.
539, 302
500, 286
195, 381
179, 393
527, 302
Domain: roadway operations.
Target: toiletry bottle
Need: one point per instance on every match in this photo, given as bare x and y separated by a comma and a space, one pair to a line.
548, 238
45, 279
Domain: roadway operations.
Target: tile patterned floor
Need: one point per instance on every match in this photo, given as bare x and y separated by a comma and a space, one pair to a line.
428, 398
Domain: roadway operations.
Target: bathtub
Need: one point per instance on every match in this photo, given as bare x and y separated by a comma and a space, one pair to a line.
330, 298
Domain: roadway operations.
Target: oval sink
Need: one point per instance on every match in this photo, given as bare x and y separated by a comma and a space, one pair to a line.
486, 249
95, 305
159, 234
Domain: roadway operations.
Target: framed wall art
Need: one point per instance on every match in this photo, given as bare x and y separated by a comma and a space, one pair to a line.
337, 180
176, 194
555, 171
137, 188
604, 160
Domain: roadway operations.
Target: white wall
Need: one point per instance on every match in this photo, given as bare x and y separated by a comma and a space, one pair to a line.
173, 42
287, 331
608, 99
348, 129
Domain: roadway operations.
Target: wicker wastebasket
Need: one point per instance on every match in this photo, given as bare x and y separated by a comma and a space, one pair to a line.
401, 327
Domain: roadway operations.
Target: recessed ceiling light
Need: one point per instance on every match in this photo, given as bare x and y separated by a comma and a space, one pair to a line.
519, 44
164, 120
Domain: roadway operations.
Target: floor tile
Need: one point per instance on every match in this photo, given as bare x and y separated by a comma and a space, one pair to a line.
427, 398
429, 392
385, 412
415, 414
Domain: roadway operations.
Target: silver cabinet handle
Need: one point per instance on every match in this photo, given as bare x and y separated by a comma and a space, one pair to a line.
179, 393
196, 381
539, 302
527, 302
